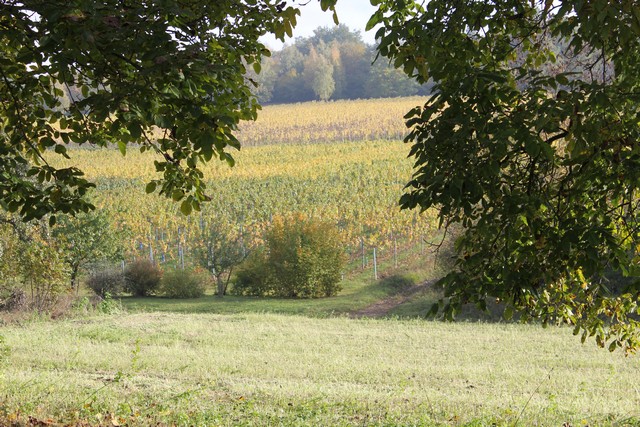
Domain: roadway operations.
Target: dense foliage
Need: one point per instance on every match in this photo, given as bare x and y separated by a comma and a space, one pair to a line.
540, 165
142, 278
179, 283
333, 64
176, 67
303, 257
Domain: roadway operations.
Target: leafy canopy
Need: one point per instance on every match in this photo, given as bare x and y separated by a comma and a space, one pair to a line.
165, 76
531, 143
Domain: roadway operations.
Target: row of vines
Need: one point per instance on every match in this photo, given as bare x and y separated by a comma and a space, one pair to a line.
355, 185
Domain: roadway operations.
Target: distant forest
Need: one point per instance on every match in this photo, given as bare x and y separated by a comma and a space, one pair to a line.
334, 63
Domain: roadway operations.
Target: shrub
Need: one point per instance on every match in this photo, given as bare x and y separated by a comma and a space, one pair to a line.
33, 272
108, 305
253, 276
44, 274
14, 299
184, 284
303, 258
109, 281
142, 278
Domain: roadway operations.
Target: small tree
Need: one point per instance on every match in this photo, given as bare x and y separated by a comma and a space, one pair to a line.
85, 239
30, 263
220, 252
318, 71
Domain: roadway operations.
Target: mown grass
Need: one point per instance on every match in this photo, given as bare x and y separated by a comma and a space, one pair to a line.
359, 289
356, 295
267, 369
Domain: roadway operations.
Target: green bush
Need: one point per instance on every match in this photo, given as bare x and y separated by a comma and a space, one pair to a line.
108, 305
184, 283
142, 278
303, 258
252, 278
103, 282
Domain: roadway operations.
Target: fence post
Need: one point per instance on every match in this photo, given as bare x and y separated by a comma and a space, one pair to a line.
375, 265
395, 252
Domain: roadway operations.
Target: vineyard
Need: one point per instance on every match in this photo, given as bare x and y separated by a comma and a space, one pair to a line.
353, 179
312, 122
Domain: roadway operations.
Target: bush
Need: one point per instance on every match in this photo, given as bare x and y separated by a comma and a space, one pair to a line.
108, 305
303, 258
105, 282
30, 265
15, 299
142, 278
253, 278
184, 284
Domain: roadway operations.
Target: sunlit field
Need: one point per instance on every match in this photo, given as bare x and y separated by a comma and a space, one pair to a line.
262, 369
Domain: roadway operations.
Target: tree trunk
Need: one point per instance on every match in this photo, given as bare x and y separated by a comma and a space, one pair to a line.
74, 279
221, 286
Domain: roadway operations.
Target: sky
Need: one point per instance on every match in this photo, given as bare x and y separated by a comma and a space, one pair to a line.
353, 13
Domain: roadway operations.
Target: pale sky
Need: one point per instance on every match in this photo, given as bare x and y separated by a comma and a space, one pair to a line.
353, 13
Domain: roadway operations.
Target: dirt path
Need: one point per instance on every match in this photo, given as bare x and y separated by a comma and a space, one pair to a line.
384, 306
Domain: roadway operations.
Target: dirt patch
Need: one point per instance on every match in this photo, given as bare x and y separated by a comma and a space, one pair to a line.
384, 306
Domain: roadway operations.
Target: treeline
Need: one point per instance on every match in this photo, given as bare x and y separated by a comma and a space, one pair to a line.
334, 63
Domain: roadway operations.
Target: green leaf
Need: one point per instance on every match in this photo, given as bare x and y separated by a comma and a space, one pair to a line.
151, 187
177, 195
185, 207
122, 146
229, 159
135, 130
508, 312
335, 17
62, 150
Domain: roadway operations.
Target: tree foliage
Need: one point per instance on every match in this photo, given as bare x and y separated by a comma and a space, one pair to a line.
333, 63
86, 239
31, 263
318, 72
219, 252
174, 69
540, 166
303, 257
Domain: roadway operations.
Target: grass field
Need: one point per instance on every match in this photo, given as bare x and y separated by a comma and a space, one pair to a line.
266, 369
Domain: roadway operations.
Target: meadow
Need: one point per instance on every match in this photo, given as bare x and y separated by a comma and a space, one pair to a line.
277, 361
267, 369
